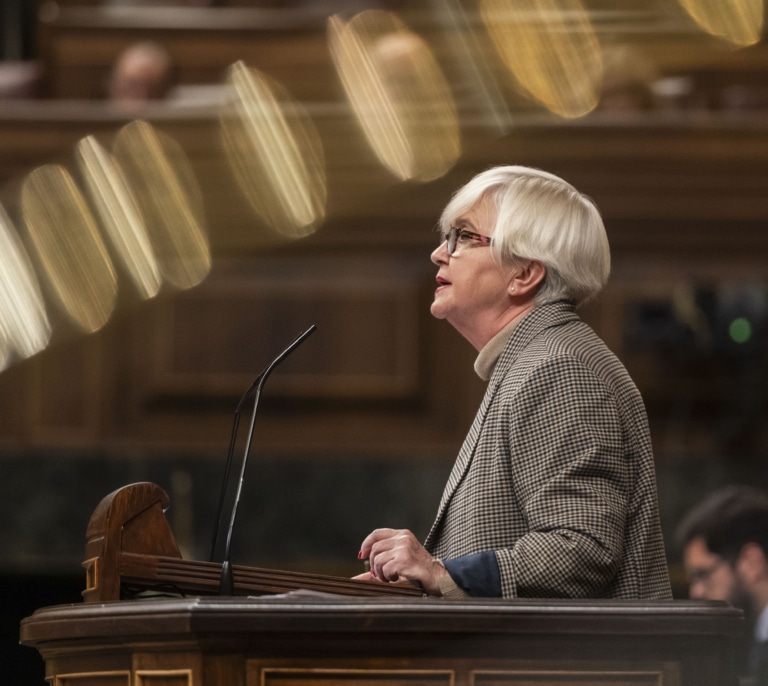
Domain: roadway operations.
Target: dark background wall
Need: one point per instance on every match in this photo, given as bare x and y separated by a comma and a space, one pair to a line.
359, 428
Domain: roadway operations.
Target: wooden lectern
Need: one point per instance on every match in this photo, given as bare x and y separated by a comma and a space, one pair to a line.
130, 549
309, 639
307, 630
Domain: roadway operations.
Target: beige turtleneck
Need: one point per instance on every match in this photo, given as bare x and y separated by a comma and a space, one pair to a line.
489, 355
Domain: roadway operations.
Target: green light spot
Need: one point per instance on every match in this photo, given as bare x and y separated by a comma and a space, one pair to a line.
740, 330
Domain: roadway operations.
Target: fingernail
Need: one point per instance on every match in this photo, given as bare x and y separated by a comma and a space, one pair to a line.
360, 555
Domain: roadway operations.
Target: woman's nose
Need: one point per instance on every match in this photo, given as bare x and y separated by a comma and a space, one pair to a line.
440, 253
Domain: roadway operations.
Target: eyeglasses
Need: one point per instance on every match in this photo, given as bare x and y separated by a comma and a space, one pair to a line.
456, 236
702, 575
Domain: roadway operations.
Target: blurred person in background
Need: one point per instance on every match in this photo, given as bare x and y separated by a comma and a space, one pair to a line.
725, 553
553, 493
628, 79
143, 72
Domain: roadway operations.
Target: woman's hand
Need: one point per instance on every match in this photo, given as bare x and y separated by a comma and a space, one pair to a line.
396, 554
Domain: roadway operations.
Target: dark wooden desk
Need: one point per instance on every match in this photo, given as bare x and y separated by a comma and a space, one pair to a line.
306, 640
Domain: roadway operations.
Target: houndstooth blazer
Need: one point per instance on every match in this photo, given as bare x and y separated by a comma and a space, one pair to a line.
556, 475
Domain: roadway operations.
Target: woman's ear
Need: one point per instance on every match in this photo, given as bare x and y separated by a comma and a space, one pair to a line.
526, 281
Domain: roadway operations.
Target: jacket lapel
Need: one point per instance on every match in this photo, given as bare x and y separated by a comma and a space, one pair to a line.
543, 317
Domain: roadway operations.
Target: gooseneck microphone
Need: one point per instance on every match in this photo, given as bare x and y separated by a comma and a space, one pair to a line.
221, 549
228, 468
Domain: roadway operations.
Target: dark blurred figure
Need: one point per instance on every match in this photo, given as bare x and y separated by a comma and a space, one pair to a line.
143, 72
19, 80
628, 78
725, 553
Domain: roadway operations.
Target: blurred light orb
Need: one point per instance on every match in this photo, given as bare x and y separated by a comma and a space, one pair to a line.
69, 246
5, 353
275, 153
119, 214
474, 74
739, 22
740, 330
551, 49
24, 325
398, 93
164, 185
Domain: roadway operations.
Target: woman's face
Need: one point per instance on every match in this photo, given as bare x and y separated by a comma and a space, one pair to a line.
472, 291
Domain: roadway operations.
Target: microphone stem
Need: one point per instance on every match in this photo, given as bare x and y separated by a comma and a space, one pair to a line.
227, 584
241, 479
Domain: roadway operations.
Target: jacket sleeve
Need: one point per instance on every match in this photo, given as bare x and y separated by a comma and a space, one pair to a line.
570, 474
476, 574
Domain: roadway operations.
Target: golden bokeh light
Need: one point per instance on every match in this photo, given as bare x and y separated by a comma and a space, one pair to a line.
69, 246
5, 353
120, 215
164, 185
24, 325
739, 22
477, 79
399, 94
551, 49
275, 153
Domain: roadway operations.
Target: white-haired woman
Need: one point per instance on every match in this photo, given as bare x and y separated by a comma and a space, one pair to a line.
553, 493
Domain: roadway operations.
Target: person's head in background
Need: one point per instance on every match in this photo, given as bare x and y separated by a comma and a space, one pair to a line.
725, 548
142, 72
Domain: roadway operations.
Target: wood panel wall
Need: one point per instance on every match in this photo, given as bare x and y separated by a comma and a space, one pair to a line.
684, 201
683, 195
78, 44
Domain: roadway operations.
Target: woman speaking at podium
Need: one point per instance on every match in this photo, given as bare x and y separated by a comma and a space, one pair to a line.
553, 493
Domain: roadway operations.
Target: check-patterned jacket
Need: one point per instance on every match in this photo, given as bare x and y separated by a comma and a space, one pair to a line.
556, 475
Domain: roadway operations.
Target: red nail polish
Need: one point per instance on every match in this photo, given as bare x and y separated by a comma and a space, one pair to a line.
360, 555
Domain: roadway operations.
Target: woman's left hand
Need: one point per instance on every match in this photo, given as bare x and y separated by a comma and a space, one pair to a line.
396, 554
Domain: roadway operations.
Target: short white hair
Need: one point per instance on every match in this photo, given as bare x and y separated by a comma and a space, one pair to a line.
539, 216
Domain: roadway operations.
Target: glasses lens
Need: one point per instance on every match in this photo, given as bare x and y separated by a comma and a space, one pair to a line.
453, 234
